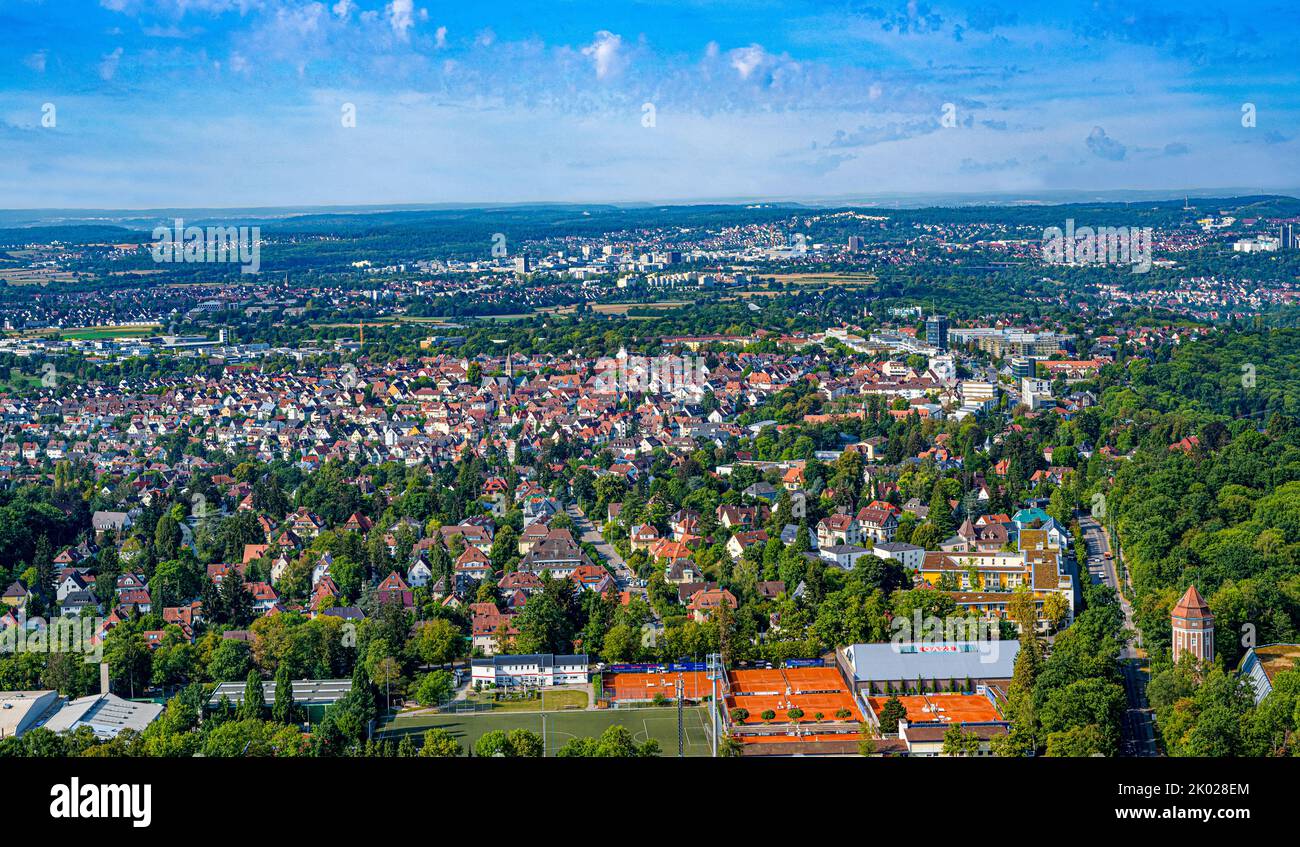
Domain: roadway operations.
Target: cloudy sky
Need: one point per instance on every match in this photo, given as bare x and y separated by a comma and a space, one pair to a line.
248, 102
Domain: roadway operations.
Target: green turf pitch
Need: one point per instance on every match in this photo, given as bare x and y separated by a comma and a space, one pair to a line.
657, 723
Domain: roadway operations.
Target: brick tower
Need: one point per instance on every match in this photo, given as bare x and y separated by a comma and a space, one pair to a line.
1193, 627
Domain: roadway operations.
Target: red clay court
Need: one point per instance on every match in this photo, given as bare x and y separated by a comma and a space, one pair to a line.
644, 686
811, 689
945, 708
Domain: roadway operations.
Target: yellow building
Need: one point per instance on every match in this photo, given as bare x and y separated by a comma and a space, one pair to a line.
983, 583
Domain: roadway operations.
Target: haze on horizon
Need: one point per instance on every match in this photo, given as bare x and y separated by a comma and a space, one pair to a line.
243, 103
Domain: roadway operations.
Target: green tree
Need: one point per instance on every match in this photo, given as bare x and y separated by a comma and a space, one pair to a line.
251, 707
434, 688
439, 743
284, 709
438, 642
525, 744
890, 714
494, 743
958, 741
167, 538
1077, 742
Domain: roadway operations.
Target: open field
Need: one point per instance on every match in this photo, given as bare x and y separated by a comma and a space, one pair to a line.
621, 309
827, 278
19, 383
95, 332
34, 276
90, 333
657, 723
624, 308
381, 322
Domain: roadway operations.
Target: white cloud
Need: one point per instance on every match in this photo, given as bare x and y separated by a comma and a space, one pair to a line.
604, 52
108, 67
36, 61
343, 9
401, 17
746, 59
440, 38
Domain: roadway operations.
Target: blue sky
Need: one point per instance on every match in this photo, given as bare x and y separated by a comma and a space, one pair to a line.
241, 102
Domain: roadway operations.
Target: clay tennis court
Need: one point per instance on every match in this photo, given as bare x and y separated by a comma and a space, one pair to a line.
945, 708
757, 682
827, 704
811, 689
814, 679
644, 686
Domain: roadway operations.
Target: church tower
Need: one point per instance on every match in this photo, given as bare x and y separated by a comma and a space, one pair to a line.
1193, 627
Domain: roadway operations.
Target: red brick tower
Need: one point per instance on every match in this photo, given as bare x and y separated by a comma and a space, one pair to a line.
1193, 627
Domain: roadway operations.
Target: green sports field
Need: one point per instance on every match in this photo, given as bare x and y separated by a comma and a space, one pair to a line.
657, 723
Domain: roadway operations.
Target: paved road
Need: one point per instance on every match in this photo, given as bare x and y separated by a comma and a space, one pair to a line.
1097, 542
623, 575
1138, 733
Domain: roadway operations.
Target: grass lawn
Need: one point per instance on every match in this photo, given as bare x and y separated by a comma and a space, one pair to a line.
550, 701
657, 723
19, 382
92, 333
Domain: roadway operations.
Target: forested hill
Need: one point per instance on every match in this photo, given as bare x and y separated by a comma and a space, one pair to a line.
1222, 512
1232, 374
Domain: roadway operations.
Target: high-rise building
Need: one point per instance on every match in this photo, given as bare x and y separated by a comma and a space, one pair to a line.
522, 265
1288, 236
1193, 627
936, 331
855, 244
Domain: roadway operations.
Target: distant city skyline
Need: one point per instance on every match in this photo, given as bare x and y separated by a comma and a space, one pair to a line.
128, 104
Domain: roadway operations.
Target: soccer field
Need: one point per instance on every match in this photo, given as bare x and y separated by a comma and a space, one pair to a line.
657, 723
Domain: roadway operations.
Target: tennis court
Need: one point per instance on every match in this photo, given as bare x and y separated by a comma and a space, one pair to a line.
779, 690
946, 708
657, 723
626, 687
811, 704
760, 681
808, 680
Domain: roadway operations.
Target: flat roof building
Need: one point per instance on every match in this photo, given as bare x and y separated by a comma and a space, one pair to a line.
22, 710
105, 714
306, 692
886, 667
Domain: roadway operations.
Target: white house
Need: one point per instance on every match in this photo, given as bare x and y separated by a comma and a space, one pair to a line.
908, 555
532, 670
844, 556
419, 574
